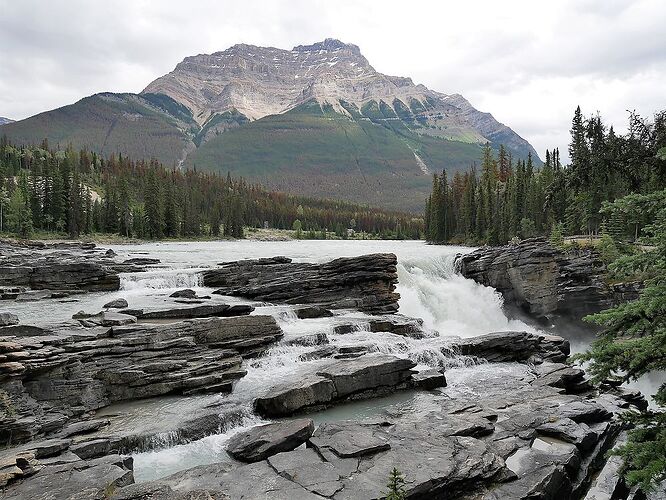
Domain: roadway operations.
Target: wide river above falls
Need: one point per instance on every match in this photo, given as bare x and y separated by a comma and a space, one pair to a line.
430, 289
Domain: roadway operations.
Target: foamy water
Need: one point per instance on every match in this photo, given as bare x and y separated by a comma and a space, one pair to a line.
430, 289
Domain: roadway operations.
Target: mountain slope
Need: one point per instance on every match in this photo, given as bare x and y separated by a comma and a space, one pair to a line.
141, 126
4, 120
316, 120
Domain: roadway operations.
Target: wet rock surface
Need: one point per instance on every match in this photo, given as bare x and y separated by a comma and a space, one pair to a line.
540, 278
365, 376
514, 346
366, 283
264, 441
74, 370
529, 427
497, 444
49, 268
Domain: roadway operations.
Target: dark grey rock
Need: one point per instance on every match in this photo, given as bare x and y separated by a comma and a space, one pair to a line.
367, 376
366, 283
567, 430
309, 340
116, 304
142, 261
263, 441
349, 440
8, 319
91, 449
313, 312
293, 396
92, 479
188, 293
514, 346
429, 379
206, 311
540, 278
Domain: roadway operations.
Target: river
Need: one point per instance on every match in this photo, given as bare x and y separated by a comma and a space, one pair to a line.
430, 288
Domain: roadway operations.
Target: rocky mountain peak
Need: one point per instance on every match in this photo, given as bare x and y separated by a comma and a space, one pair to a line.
330, 44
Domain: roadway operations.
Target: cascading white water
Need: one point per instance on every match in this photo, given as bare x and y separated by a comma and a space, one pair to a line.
430, 289
161, 279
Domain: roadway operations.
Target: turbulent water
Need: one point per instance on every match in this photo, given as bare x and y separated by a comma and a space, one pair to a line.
450, 305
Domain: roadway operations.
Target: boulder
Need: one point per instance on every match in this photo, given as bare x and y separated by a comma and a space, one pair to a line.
368, 376
108, 318
287, 398
313, 312
116, 304
188, 293
263, 441
514, 346
367, 373
8, 319
366, 283
429, 379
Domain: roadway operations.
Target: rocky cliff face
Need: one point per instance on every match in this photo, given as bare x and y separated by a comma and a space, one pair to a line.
259, 81
544, 280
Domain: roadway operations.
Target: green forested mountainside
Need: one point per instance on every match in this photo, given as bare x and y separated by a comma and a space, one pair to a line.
372, 155
78, 192
147, 126
509, 199
319, 152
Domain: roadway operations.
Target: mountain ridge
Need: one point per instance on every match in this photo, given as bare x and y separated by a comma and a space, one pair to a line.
312, 120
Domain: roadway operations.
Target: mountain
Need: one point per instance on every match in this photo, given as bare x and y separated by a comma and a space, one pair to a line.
4, 120
317, 120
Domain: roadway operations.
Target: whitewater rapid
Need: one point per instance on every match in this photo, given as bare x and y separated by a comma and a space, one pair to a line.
429, 287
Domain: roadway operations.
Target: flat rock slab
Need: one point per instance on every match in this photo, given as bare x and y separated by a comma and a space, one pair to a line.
205, 311
263, 441
93, 479
349, 440
313, 312
514, 346
116, 304
360, 377
366, 373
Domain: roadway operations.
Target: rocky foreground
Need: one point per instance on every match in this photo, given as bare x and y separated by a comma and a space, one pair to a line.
531, 427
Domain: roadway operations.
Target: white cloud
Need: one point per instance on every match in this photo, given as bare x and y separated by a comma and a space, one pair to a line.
529, 63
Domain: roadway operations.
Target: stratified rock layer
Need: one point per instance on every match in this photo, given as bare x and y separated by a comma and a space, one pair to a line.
366, 283
56, 269
50, 378
540, 278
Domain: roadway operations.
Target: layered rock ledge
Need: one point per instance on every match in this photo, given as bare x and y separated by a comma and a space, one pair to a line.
509, 437
46, 380
541, 279
366, 283
57, 268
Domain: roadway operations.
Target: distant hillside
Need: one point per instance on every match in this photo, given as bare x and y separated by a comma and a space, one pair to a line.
317, 120
4, 120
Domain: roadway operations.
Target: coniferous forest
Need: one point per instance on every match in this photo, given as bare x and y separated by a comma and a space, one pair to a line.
504, 199
77, 193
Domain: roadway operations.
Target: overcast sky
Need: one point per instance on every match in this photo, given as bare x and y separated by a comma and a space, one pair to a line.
529, 63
